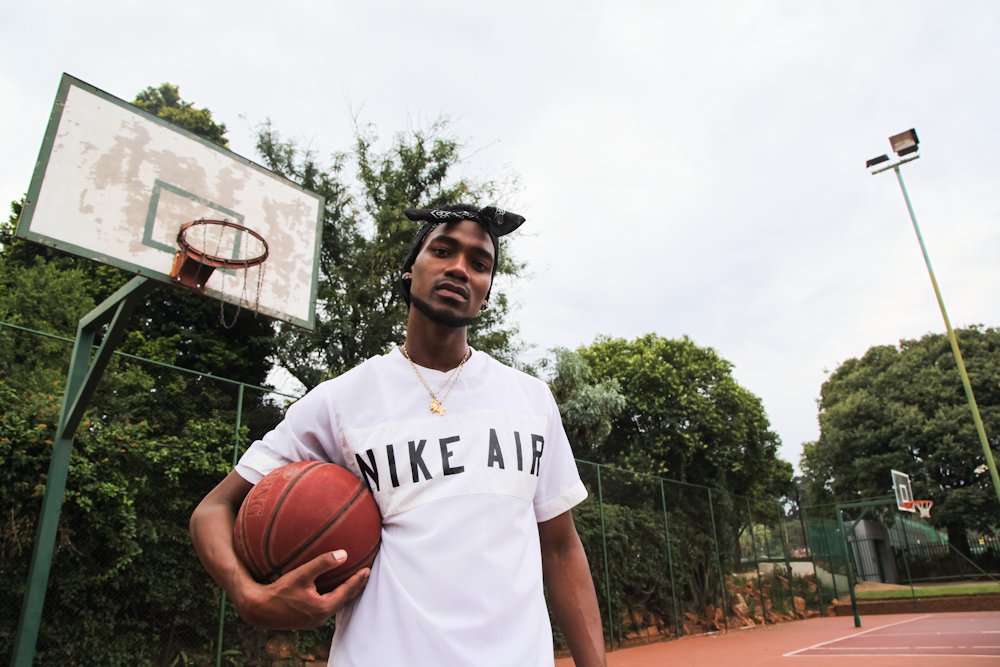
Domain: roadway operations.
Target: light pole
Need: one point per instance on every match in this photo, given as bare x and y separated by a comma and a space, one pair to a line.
906, 143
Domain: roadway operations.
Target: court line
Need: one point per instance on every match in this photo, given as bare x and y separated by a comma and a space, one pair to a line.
863, 632
904, 655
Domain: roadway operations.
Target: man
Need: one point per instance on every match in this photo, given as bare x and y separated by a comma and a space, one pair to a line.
472, 472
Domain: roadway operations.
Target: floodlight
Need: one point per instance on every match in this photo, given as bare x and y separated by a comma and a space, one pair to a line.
876, 160
905, 142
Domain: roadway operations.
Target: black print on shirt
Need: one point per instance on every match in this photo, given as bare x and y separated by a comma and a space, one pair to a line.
366, 472
417, 461
447, 454
392, 465
537, 445
421, 473
496, 455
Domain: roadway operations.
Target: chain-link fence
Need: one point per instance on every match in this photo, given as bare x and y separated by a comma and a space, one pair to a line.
126, 588
671, 559
869, 551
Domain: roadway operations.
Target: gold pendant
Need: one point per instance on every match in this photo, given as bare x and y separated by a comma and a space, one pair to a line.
437, 407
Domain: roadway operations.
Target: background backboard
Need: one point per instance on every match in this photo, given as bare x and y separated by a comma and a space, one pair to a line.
114, 183
904, 493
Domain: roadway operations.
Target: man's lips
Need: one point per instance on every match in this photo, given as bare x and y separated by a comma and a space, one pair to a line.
452, 291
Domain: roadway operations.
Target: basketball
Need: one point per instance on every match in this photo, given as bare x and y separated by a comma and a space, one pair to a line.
301, 511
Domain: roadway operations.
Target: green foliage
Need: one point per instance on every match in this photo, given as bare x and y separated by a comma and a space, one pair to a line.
360, 312
638, 569
904, 408
585, 404
165, 102
126, 585
686, 418
35, 362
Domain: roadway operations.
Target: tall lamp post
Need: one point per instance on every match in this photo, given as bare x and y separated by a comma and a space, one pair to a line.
907, 144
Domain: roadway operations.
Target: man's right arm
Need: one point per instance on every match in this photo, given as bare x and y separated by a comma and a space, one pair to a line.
291, 602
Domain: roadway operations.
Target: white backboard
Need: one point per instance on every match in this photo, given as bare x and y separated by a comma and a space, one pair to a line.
114, 184
904, 492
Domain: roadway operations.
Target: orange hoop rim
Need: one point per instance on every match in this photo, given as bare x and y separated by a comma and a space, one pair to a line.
205, 258
922, 506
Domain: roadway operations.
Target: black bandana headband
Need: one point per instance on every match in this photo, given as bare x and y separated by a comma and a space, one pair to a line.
496, 221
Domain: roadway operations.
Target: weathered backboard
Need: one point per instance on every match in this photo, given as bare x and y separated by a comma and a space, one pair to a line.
904, 493
114, 184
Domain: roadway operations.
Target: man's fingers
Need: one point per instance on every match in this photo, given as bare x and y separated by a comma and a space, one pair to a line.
320, 564
350, 589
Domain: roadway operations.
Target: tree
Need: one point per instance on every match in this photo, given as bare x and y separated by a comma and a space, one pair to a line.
165, 102
686, 418
585, 404
360, 312
904, 408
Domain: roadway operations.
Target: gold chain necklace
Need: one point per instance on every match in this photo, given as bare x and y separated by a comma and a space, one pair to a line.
437, 404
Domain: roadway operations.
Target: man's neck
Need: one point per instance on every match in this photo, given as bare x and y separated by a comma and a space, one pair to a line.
433, 345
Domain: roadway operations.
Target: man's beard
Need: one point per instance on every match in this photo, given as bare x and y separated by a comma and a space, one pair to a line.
441, 317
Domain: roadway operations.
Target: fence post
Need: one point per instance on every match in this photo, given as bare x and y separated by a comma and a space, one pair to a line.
670, 561
607, 578
236, 458
906, 562
812, 556
849, 553
830, 555
784, 550
756, 562
718, 560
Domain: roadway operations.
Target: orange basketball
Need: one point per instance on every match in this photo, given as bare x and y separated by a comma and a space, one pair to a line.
301, 511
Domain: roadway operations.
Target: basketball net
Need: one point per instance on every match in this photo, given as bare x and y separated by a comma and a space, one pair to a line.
192, 267
923, 506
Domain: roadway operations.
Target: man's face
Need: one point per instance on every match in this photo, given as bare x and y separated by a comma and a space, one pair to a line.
451, 276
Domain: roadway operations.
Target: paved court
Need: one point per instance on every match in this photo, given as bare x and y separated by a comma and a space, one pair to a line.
960, 640
971, 635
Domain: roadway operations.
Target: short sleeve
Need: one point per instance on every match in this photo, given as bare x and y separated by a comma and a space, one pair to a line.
307, 433
559, 487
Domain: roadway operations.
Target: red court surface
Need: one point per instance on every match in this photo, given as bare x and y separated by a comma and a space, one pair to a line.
889, 641
969, 635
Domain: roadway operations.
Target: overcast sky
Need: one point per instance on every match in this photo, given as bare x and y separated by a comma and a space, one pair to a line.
686, 168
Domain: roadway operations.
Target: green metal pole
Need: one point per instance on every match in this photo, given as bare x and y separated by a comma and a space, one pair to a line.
670, 561
81, 382
607, 577
830, 554
812, 554
756, 561
850, 568
784, 550
718, 561
987, 452
906, 562
236, 459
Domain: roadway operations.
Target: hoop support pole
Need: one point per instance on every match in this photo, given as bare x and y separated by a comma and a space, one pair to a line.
84, 375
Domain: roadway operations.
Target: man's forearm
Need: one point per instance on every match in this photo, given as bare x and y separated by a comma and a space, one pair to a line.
571, 593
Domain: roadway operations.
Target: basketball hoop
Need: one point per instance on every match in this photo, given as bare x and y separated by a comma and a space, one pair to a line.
193, 267
923, 506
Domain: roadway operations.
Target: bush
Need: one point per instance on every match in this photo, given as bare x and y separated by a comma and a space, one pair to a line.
126, 587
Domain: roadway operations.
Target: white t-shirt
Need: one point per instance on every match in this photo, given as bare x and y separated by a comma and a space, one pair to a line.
458, 579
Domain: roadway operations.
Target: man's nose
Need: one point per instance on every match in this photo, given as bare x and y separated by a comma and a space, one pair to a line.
458, 268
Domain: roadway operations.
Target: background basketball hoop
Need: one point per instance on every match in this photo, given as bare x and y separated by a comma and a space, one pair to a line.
922, 506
